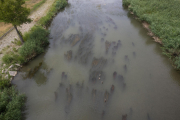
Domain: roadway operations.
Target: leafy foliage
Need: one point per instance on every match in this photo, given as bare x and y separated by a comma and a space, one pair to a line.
11, 11
37, 40
12, 58
7, 58
4, 84
163, 17
11, 104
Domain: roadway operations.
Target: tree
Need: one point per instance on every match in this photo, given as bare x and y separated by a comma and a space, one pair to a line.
12, 11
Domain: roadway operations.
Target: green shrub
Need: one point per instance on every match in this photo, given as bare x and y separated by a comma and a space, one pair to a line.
14, 49
11, 105
177, 62
7, 58
17, 42
26, 36
4, 84
12, 58
37, 40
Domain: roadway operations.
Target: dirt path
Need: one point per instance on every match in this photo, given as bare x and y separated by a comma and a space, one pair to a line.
36, 15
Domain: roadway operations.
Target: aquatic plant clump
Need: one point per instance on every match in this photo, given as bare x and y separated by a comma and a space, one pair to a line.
163, 18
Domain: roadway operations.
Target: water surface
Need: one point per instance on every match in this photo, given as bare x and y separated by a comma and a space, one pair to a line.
95, 44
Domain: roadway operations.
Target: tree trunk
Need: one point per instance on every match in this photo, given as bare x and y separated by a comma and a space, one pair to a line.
22, 41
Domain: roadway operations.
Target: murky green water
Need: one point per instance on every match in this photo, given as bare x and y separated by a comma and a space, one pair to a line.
95, 44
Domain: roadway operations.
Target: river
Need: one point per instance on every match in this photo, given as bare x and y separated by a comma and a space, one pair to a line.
100, 64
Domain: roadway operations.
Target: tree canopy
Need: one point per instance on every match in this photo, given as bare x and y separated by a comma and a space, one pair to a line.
12, 11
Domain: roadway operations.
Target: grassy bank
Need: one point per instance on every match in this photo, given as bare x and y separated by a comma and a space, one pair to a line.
36, 40
163, 18
56, 7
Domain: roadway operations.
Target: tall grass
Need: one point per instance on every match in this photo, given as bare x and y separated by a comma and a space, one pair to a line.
57, 6
163, 17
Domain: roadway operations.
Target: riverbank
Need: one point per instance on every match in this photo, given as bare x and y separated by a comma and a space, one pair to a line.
14, 56
161, 19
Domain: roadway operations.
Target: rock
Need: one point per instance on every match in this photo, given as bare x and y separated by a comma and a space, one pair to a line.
6, 70
3, 71
16, 69
11, 66
6, 77
18, 65
12, 73
4, 65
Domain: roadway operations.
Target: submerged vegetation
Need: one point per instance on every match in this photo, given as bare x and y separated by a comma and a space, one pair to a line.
36, 40
163, 18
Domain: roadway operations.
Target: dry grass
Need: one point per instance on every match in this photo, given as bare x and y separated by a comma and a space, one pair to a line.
4, 28
31, 3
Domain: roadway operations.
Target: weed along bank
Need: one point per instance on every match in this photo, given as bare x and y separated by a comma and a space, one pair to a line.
163, 24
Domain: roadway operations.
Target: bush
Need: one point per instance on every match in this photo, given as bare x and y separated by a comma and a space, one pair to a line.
26, 36
7, 58
17, 42
37, 40
4, 84
12, 58
11, 105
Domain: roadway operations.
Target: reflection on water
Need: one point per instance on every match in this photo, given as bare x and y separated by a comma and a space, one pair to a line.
100, 64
